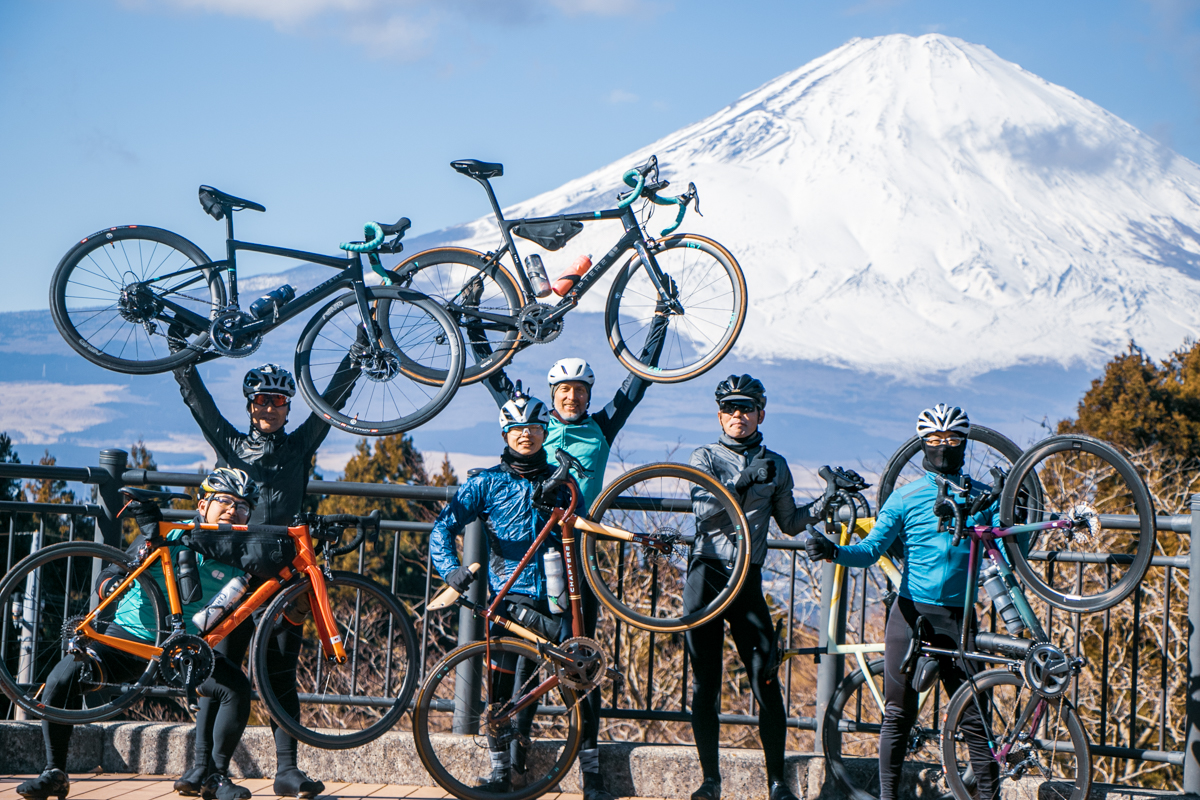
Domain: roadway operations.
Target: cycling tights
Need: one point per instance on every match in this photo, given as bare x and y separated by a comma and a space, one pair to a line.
753, 634
901, 699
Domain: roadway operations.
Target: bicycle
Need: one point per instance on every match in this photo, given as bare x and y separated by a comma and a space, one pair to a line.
543, 714
142, 300
691, 279
358, 662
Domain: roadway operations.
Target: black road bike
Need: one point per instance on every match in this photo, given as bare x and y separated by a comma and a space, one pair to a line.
141, 300
692, 280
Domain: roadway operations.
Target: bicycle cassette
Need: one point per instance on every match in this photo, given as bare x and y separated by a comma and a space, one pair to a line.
1047, 670
186, 661
587, 667
228, 339
533, 325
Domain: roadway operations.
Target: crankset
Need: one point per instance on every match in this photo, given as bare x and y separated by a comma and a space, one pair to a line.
228, 339
186, 661
1048, 671
535, 326
580, 663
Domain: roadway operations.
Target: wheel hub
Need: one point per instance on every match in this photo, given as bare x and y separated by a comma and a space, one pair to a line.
378, 364
186, 661
1047, 670
138, 304
533, 324
229, 339
1085, 521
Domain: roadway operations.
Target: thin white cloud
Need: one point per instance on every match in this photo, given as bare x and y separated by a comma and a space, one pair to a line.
617, 96
34, 412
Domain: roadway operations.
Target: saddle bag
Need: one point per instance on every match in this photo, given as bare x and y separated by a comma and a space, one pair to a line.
262, 555
551, 235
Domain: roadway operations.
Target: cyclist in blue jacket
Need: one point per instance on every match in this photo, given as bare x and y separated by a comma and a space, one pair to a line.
933, 586
507, 498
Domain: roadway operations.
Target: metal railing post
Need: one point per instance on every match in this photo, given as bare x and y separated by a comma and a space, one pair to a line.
829, 671
1191, 750
108, 527
468, 680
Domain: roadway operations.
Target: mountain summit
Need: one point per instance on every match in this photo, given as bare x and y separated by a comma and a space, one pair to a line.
918, 205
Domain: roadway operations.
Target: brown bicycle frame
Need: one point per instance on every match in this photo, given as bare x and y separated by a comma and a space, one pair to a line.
305, 563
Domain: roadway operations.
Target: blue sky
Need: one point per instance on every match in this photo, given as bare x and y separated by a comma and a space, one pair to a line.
331, 112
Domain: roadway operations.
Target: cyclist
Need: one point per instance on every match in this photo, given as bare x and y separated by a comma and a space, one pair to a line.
933, 588
280, 463
762, 482
229, 496
508, 499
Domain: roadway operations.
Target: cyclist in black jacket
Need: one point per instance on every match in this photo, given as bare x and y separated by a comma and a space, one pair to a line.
279, 462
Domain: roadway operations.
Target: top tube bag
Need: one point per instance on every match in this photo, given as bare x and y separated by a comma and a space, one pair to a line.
262, 555
551, 235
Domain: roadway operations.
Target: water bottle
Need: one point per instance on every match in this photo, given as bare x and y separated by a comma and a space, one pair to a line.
206, 618
536, 272
566, 282
188, 574
271, 302
556, 587
993, 583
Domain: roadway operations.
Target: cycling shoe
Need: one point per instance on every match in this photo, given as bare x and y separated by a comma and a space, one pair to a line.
191, 783
294, 783
709, 790
780, 791
217, 786
51, 783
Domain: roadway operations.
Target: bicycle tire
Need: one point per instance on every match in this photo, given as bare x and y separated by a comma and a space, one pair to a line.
361, 719
1072, 469
53, 573
453, 759
713, 317
851, 730
1074, 786
443, 273
86, 294
423, 334
656, 584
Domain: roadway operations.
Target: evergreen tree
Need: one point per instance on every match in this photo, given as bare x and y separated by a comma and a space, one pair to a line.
50, 491
10, 488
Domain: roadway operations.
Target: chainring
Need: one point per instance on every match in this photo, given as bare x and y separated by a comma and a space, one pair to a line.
186, 661
1047, 670
589, 667
228, 340
533, 325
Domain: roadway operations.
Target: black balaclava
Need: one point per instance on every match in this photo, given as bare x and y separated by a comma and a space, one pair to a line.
944, 459
530, 467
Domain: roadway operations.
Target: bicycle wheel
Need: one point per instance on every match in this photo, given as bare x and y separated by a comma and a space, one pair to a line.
850, 737
459, 277
986, 448
642, 586
136, 299
384, 400
1049, 759
1099, 566
450, 725
49, 592
339, 705
706, 280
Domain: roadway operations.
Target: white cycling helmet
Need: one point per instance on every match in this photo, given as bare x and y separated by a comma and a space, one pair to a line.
523, 410
269, 379
570, 369
943, 419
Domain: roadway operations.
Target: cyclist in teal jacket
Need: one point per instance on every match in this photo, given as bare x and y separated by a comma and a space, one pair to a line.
933, 587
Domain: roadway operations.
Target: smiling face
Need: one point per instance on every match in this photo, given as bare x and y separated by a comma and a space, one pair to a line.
740, 418
571, 400
223, 507
266, 414
525, 439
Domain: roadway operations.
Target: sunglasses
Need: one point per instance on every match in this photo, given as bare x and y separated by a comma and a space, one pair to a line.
229, 501
524, 429
934, 440
277, 400
738, 407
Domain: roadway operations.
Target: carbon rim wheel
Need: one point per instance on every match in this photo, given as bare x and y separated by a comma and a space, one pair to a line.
850, 737
449, 725
341, 705
453, 275
641, 585
46, 590
1086, 569
115, 297
385, 399
1040, 754
709, 285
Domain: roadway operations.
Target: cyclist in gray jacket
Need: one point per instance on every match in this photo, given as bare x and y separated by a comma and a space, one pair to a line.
762, 482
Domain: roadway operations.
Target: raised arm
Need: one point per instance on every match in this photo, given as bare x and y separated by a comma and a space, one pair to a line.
500, 386
216, 429
314, 429
614, 415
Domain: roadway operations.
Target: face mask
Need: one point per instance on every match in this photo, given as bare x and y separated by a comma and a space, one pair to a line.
944, 459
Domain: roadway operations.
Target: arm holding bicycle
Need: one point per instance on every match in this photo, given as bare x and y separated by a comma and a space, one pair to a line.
889, 523
314, 429
216, 429
614, 415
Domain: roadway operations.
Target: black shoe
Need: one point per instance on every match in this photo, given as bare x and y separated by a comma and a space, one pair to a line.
191, 783
594, 788
217, 786
779, 791
709, 790
294, 783
51, 783
499, 781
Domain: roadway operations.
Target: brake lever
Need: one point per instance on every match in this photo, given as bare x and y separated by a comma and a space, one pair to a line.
693, 197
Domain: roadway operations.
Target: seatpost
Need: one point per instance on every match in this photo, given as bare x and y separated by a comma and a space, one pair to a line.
487, 187
230, 255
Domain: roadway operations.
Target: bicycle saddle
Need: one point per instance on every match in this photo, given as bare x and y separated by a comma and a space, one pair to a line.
217, 203
149, 495
481, 170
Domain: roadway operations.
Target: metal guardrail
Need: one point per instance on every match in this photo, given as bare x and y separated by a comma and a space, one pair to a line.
113, 473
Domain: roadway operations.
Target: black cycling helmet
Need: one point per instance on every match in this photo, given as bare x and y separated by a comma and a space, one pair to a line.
231, 481
742, 387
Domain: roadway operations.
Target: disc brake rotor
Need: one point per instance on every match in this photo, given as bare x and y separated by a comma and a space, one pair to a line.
1086, 521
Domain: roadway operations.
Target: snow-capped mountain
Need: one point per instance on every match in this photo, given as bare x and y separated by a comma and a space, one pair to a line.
904, 205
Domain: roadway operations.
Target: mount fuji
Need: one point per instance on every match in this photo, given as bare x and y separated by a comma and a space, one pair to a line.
918, 219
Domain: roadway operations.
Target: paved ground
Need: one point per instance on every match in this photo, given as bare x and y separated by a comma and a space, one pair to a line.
153, 787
